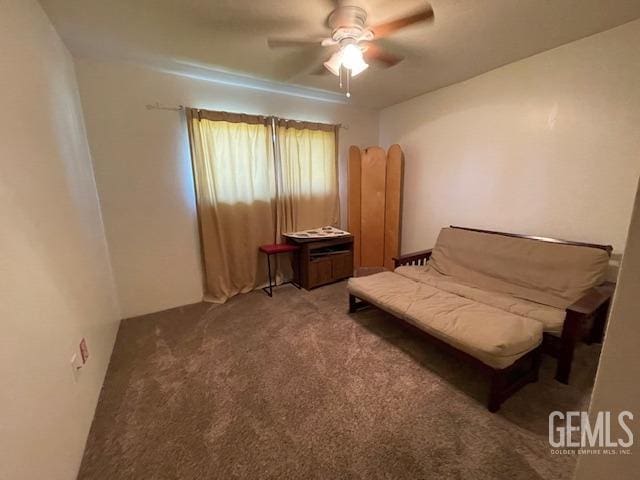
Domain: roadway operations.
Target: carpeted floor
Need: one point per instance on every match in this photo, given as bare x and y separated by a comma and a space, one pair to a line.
294, 387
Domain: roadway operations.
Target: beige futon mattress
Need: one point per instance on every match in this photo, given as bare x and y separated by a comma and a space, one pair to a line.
492, 335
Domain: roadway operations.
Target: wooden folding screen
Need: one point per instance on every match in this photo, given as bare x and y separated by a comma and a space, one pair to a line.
375, 203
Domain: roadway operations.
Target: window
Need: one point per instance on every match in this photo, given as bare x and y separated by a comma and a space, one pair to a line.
256, 178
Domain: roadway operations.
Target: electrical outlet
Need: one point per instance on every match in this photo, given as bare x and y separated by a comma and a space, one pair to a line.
84, 351
76, 363
76, 367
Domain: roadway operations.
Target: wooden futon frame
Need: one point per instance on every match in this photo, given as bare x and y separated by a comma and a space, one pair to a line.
585, 320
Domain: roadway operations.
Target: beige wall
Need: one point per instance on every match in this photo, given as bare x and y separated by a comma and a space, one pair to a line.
143, 170
616, 387
547, 145
55, 280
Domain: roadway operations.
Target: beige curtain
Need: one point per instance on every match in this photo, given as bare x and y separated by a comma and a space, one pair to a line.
254, 183
233, 168
307, 176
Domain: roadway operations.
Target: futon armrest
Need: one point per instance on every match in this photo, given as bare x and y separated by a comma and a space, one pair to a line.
414, 258
591, 301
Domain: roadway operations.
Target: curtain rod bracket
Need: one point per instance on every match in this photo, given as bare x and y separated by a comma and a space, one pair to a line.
157, 106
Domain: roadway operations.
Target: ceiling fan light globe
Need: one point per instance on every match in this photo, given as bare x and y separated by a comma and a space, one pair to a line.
334, 63
351, 56
359, 68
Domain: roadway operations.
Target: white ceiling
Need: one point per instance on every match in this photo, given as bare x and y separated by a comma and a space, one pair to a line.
467, 37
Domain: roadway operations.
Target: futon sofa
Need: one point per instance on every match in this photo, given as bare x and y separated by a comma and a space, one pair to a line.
497, 300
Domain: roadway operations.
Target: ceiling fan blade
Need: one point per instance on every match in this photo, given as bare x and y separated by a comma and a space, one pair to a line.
375, 53
387, 28
293, 42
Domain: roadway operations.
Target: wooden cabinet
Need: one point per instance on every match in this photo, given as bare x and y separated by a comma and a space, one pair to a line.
322, 261
320, 272
342, 265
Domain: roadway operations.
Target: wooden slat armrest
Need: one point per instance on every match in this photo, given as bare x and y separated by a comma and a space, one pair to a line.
593, 305
413, 258
419, 253
592, 300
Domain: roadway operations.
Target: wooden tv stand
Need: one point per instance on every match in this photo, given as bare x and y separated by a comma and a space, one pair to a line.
321, 261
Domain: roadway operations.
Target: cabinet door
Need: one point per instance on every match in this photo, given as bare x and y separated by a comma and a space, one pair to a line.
342, 266
319, 272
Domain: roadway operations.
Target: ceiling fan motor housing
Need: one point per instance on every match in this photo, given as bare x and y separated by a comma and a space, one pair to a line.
347, 22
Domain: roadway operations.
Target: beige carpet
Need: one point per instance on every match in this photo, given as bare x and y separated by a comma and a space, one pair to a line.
294, 387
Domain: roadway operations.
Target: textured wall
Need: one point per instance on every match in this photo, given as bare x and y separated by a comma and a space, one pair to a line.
55, 281
548, 145
619, 362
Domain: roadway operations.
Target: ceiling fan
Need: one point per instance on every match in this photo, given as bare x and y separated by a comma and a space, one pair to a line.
355, 41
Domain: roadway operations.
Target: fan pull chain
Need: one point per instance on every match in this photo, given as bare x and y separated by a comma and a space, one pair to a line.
348, 86
340, 76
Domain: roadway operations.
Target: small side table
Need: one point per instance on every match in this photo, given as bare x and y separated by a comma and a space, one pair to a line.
275, 249
322, 260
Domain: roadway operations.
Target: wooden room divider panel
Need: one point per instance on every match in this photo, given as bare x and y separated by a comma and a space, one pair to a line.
393, 205
354, 172
372, 206
375, 204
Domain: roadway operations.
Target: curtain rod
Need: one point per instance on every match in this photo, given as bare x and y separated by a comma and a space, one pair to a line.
179, 108
157, 106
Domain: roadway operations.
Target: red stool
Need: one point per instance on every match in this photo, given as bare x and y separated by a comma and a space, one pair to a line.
275, 249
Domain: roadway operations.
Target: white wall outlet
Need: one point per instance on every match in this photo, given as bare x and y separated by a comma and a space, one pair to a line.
76, 367
76, 362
